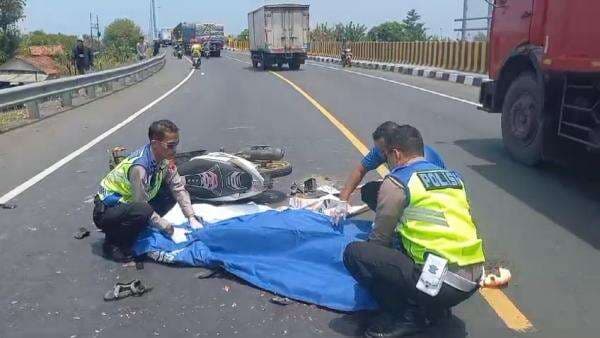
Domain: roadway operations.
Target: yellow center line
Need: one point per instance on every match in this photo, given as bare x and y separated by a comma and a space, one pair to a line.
508, 312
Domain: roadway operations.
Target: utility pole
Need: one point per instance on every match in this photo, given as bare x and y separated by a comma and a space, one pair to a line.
464, 20
91, 33
94, 26
153, 24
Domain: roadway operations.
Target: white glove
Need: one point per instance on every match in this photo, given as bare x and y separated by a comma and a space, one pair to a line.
339, 213
195, 223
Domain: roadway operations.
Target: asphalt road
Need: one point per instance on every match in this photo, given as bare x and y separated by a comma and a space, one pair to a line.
542, 223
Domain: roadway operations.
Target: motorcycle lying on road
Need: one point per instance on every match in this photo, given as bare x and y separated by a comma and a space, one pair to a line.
346, 57
222, 177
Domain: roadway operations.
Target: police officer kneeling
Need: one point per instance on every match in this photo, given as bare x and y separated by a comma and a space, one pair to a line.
423, 256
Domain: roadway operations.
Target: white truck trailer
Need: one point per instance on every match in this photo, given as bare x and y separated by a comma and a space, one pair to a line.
279, 34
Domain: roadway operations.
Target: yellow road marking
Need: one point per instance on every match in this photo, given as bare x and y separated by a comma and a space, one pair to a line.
498, 300
506, 310
349, 135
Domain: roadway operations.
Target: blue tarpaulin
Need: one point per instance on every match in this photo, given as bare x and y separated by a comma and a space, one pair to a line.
293, 253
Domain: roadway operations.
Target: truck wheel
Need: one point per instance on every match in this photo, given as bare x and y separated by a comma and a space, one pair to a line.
264, 65
294, 66
523, 120
218, 54
254, 63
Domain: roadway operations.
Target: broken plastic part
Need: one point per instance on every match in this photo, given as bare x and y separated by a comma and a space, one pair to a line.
7, 206
281, 300
81, 233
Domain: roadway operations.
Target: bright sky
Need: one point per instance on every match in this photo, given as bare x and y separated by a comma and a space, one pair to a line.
72, 16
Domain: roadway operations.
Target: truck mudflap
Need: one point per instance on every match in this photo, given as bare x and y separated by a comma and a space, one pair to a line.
486, 97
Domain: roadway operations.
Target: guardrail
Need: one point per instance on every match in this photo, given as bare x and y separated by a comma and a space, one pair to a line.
24, 104
456, 55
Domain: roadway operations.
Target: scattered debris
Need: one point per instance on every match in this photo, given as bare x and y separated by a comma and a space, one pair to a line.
129, 264
139, 265
81, 233
7, 206
226, 288
123, 290
281, 300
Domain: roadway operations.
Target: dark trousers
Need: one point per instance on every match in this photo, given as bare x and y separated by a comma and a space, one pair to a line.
391, 277
123, 223
369, 193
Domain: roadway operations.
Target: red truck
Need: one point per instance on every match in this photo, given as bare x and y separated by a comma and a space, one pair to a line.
545, 77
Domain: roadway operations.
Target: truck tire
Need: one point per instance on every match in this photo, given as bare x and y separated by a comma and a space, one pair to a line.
523, 119
294, 65
254, 63
218, 54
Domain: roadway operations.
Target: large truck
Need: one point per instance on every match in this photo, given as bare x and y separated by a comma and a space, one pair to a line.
165, 36
212, 33
279, 34
185, 34
544, 63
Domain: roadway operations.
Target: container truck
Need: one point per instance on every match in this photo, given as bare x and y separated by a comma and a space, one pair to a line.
279, 34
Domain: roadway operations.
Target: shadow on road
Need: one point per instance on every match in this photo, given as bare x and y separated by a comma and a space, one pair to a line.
274, 69
563, 195
355, 324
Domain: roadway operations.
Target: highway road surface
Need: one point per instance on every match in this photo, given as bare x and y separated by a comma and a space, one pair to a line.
542, 223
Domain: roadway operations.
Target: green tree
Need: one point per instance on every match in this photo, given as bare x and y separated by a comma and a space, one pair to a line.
244, 35
388, 31
41, 38
322, 32
11, 11
121, 36
350, 32
415, 30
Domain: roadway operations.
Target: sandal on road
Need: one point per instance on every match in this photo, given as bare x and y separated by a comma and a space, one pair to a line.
123, 290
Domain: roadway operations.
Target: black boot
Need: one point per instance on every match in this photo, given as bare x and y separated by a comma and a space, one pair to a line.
116, 253
436, 317
406, 324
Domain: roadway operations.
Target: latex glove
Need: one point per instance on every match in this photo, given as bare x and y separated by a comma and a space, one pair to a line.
340, 213
196, 223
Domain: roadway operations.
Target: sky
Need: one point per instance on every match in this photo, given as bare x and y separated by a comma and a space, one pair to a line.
72, 16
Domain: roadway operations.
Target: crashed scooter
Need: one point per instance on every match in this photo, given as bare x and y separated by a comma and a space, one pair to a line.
223, 177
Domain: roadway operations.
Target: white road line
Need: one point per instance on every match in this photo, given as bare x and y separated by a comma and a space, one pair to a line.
386, 80
37, 178
400, 84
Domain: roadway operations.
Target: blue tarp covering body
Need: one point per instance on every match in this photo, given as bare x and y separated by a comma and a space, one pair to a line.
294, 253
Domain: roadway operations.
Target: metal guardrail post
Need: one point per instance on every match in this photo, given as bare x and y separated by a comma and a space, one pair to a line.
67, 99
91, 92
33, 109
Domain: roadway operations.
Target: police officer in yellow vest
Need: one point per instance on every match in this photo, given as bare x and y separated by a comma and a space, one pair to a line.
423, 256
140, 190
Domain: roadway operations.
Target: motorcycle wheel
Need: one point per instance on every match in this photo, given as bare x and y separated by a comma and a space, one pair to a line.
274, 169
